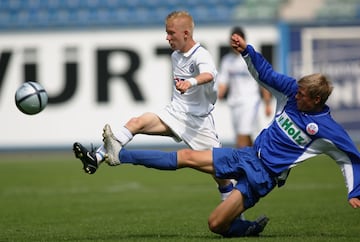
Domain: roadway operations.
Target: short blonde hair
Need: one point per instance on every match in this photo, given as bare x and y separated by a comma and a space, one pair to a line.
317, 85
186, 19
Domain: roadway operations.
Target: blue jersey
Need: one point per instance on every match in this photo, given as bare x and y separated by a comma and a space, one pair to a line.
295, 136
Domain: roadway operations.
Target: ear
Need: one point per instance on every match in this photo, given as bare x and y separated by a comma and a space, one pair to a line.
317, 100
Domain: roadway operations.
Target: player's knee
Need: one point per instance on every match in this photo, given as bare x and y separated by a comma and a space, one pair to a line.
186, 154
215, 225
184, 157
134, 123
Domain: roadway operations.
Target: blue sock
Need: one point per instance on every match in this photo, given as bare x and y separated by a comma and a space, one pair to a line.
227, 188
150, 158
239, 228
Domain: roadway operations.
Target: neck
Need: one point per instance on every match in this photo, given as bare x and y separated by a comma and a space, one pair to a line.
188, 46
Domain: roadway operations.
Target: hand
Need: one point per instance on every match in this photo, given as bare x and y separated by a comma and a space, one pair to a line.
182, 86
354, 202
238, 43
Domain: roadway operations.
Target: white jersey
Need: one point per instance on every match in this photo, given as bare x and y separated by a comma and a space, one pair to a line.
198, 100
242, 87
189, 114
243, 93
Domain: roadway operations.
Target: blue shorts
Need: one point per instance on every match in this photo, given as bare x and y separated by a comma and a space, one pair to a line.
243, 165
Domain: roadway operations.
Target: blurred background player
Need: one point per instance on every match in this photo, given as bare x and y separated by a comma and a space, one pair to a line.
188, 117
243, 94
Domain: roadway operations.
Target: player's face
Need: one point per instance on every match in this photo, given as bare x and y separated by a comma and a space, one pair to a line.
304, 102
175, 35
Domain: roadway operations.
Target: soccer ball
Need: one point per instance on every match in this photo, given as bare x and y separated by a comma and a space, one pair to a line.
31, 98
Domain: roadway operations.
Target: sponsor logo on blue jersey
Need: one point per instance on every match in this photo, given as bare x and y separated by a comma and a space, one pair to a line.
294, 133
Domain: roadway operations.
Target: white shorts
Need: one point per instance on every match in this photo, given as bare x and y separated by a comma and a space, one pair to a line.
197, 132
244, 117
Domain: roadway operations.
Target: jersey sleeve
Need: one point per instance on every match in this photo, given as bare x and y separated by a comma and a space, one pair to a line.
205, 63
263, 72
347, 157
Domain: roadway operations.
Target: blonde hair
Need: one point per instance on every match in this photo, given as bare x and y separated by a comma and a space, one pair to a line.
186, 19
317, 85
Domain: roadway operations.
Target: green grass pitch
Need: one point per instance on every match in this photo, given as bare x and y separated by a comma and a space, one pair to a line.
47, 197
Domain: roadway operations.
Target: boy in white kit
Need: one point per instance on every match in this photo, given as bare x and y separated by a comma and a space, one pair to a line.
188, 117
243, 94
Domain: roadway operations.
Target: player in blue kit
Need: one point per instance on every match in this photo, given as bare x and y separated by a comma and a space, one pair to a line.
302, 128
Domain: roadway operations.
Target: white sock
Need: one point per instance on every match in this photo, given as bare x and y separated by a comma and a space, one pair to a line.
224, 195
100, 154
124, 136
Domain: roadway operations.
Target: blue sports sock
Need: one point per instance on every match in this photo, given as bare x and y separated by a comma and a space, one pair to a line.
227, 188
150, 158
225, 191
239, 228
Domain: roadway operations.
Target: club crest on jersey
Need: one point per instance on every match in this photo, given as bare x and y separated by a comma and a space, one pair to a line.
312, 128
192, 68
294, 133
